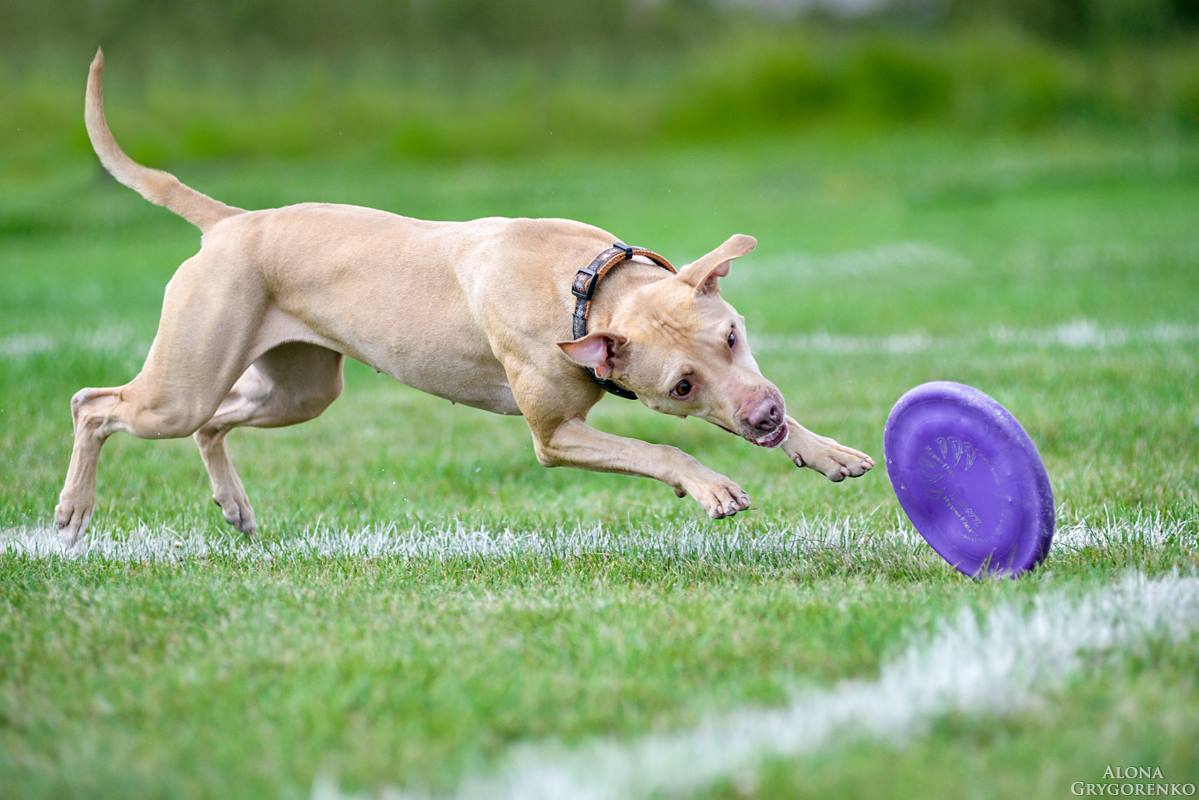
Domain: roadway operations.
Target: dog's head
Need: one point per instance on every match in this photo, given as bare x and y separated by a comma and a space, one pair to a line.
685, 352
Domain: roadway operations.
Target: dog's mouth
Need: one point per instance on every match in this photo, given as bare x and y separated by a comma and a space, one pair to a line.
772, 439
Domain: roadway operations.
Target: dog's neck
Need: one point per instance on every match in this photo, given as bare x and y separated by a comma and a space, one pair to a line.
616, 288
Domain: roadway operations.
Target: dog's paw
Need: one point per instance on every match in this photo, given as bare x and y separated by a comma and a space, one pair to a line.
833, 460
718, 495
71, 517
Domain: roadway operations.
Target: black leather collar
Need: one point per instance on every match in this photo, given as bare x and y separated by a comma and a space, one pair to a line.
587, 280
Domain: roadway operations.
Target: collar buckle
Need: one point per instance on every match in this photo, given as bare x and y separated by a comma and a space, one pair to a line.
584, 283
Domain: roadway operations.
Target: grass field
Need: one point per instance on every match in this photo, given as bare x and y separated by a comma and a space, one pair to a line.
428, 610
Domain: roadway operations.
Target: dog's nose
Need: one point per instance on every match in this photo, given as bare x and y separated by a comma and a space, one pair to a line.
765, 415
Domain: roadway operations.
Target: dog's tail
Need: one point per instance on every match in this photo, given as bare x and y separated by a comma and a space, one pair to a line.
161, 188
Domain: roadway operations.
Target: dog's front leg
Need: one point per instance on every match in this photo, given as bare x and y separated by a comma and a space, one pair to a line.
833, 460
574, 443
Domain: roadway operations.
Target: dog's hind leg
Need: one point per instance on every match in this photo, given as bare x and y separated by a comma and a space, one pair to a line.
289, 384
204, 342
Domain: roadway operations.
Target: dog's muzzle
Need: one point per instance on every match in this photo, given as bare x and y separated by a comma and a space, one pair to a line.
764, 421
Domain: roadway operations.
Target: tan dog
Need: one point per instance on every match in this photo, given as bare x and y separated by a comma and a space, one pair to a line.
255, 327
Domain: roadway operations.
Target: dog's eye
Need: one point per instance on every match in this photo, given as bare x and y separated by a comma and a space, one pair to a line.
732, 339
681, 389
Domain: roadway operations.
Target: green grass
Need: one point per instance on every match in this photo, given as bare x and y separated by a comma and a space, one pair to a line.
249, 678
1122, 716
199, 98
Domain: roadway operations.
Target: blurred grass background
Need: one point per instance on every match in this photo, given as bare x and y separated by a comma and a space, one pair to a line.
454, 79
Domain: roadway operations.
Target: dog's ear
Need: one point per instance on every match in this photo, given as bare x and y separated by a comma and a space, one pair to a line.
703, 273
602, 351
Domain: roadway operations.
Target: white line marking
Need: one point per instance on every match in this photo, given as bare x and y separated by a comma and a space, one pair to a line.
459, 542
1087, 334
1079, 334
1148, 529
867, 261
994, 664
20, 345
824, 342
114, 341
858, 538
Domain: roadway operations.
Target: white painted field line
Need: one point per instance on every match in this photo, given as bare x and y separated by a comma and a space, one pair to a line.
866, 261
995, 664
1078, 334
112, 341
855, 537
464, 542
460, 542
1150, 529
20, 345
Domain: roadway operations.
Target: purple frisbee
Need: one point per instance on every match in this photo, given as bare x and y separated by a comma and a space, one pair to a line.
970, 479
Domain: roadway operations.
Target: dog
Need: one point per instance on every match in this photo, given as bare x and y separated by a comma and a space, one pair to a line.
255, 328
